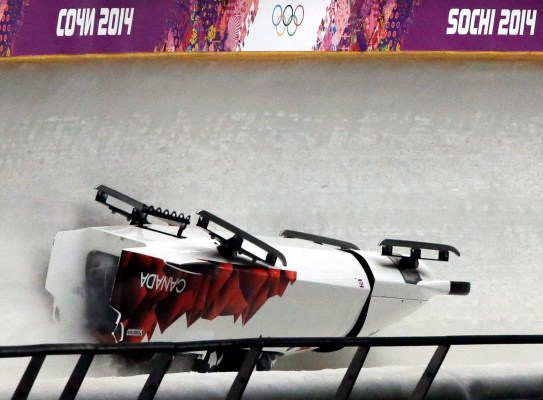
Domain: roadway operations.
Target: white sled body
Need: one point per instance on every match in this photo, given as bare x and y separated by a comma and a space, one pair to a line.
146, 283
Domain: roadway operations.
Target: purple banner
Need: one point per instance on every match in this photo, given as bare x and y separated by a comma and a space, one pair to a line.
43, 27
56, 27
483, 25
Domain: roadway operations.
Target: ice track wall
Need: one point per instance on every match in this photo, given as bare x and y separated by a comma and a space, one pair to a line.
355, 148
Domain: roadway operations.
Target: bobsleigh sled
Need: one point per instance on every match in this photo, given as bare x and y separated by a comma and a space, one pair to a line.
173, 282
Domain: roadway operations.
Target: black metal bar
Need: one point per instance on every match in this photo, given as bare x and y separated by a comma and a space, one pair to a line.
140, 211
28, 378
418, 245
168, 350
430, 373
76, 379
160, 365
205, 345
345, 388
273, 253
287, 233
244, 374
85, 348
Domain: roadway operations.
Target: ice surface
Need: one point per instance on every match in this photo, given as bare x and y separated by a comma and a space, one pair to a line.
360, 149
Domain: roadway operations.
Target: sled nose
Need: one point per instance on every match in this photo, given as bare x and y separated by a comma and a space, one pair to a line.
455, 288
459, 288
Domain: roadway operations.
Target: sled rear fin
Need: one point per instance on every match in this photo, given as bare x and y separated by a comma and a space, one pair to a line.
229, 247
416, 247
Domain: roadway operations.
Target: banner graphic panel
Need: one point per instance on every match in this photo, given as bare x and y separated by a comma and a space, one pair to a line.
43, 27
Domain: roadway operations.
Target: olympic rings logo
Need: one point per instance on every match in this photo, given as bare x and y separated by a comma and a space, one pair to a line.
287, 19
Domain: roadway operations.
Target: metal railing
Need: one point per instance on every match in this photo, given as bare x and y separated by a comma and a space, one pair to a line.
165, 352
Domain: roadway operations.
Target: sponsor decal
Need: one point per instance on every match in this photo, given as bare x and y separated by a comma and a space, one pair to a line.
134, 332
491, 21
482, 25
150, 293
90, 21
157, 282
287, 19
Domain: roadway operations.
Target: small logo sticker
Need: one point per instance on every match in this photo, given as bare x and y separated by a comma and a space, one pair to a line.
134, 332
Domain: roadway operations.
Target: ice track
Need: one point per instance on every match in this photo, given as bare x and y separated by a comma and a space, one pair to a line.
357, 148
